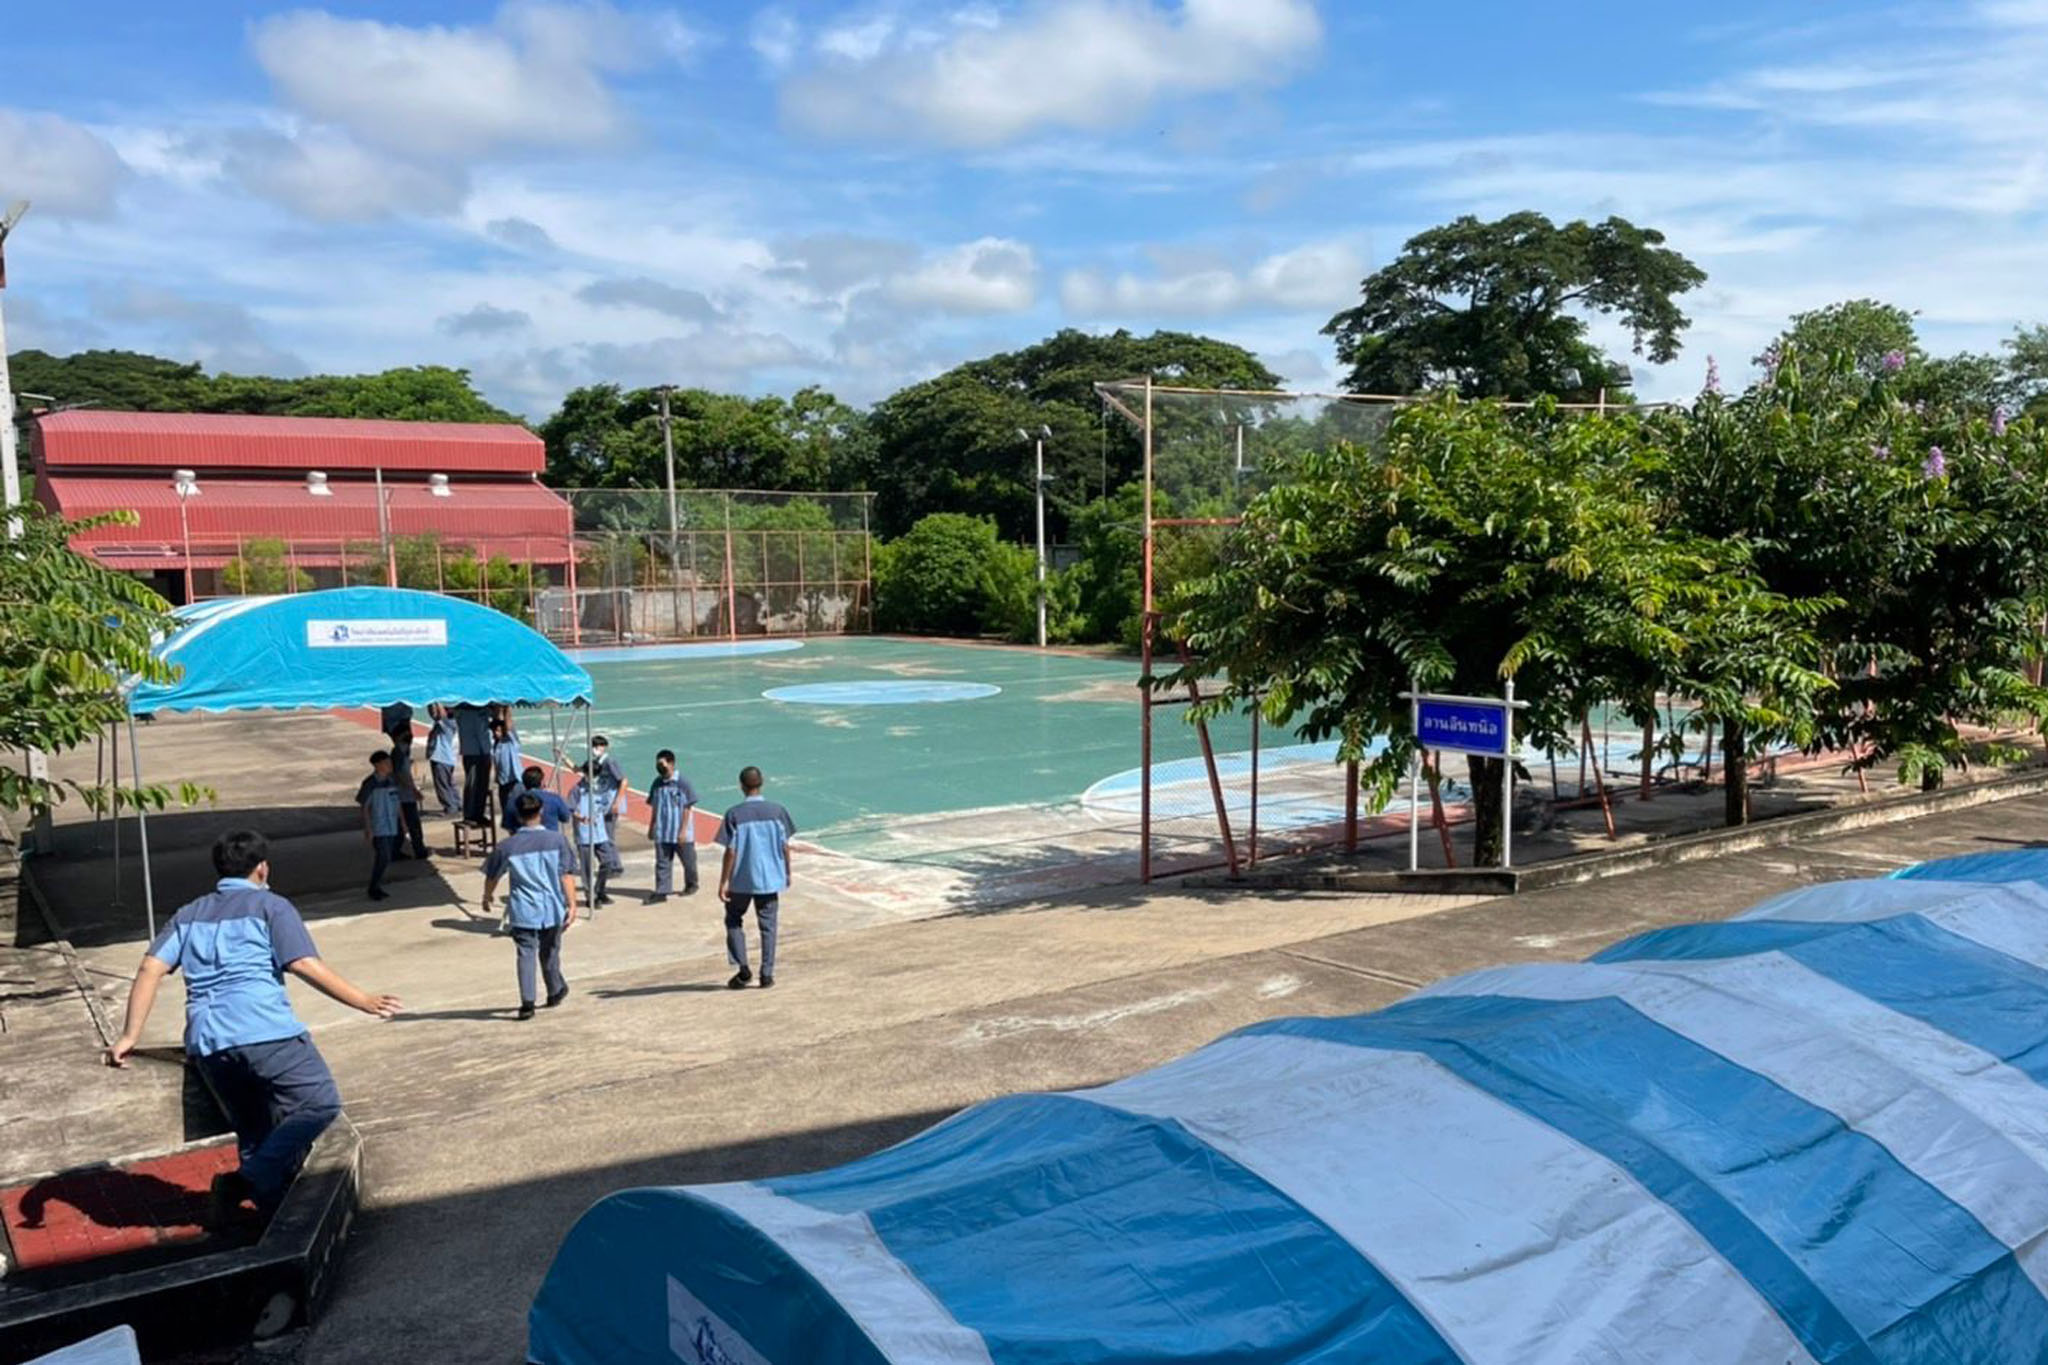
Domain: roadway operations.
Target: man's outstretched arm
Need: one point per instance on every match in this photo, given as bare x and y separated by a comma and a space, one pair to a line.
335, 986
141, 999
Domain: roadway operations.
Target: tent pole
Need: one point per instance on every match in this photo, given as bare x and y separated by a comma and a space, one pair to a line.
114, 753
554, 748
142, 826
590, 795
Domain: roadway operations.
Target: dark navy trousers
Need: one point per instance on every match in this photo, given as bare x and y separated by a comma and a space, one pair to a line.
280, 1097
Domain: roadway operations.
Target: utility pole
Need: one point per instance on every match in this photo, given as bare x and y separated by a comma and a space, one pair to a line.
668, 451
10, 466
1038, 487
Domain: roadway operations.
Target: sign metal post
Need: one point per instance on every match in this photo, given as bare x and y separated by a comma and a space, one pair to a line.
1483, 726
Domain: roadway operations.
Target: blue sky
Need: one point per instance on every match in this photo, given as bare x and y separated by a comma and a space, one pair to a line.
761, 196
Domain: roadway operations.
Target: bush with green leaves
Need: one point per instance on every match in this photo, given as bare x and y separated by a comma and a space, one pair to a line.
950, 575
73, 634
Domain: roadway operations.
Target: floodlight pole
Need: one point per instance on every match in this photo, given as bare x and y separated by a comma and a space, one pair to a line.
668, 452
185, 488
10, 467
1039, 482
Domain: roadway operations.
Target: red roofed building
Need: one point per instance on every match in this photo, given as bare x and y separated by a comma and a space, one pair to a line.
306, 489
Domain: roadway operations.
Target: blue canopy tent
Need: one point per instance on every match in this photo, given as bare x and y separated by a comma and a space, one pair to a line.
349, 647
1814, 1133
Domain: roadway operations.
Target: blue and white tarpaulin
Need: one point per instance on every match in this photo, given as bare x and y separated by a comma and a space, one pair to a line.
1816, 1133
355, 647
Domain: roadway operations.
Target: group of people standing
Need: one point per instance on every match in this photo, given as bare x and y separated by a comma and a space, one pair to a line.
237, 943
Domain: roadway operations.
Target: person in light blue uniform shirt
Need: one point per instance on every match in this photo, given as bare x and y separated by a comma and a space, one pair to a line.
506, 763
554, 811
234, 945
380, 799
611, 784
442, 755
541, 902
593, 835
473, 739
671, 806
756, 835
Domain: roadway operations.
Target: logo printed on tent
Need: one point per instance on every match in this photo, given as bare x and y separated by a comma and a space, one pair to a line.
431, 632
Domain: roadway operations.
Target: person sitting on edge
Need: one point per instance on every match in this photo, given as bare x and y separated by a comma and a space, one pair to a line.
756, 835
505, 764
235, 944
554, 811
600, 854
671, 803
541, 904
380, 800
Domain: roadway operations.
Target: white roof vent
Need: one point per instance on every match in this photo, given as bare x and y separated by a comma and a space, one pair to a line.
185, 483
437, 484
316, 484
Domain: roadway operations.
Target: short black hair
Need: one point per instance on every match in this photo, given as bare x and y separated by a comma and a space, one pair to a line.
750, 778
600, 740
381, 756
669, 754
533, 776
240, 852
527, 808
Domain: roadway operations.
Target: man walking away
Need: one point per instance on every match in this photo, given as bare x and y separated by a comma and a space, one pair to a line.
235, 944
378, 796
541, 904
671, 802
611, 785
505, 764
554, 811
441, 756
473, 736
600, 854
756, 835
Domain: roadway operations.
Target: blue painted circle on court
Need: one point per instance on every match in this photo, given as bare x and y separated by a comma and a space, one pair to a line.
880, 693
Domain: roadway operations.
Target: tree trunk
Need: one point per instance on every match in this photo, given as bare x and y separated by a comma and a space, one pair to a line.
1930, 779
1735, 773
1485, 776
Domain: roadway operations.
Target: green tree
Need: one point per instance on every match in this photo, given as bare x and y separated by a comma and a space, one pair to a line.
1475, 547
1498, 310
955, 443
606, 436
950, 575
72, 634
264, 568
129, 381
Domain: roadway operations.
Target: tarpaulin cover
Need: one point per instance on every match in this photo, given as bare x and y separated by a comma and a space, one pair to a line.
355, 647
1814, 1133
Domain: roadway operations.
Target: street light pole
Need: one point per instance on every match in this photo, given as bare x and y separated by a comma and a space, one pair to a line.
1038, 487
668, 452
185, 484
10, 466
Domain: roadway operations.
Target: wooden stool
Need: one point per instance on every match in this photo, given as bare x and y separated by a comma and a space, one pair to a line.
484, 837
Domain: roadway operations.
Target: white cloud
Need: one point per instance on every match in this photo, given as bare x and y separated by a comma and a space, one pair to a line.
68, 170
520, 234
330, 178
827, 264
992, 275
1067, 64
685, 305
223, 335
776, 38
535, 76
484, 320
1318, 276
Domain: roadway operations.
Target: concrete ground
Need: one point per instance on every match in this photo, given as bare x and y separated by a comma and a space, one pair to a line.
485, 1138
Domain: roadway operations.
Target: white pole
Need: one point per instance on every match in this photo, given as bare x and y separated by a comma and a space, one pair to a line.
142, 827
114, 755
1415, 776
668, 451
1507, 781
10, 466
1040, 444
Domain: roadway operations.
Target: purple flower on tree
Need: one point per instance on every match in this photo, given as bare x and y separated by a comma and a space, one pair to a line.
1713, 384
1771, 359
1999, 418
1880, 451
1936, 464
1893, 361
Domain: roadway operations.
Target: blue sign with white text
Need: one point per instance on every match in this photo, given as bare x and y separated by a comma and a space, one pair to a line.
1465, 727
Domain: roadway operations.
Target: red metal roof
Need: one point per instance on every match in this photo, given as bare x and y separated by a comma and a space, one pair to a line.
522, 521
204, 441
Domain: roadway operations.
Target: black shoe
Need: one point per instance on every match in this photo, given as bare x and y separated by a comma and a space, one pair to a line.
766, 981
739, 979
689, 891
656, 899
378, 893
558, 997
228, 1202
526, 1011
602, 900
